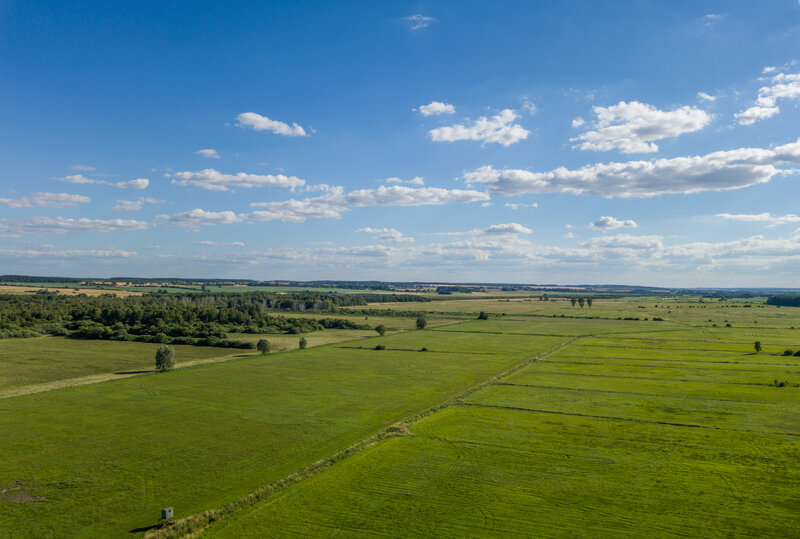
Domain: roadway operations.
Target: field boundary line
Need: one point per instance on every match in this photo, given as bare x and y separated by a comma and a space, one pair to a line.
194, 525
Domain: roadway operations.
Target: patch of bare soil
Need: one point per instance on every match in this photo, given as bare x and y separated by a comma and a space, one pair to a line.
16, 493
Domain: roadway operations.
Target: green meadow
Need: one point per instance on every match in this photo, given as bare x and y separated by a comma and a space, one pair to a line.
525, 424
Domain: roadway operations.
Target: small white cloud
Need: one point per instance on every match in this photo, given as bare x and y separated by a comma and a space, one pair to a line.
771, 220
711, 19
568, 227
387, 235
208, 152
138, 183
79, 179
419, 21
578, 122
569, 235
500, 129
261, 123
436, 108
781, 86
45, 200
706, 97
610, 223
416, 181
217, 244
625, 241
529, 107
14, 228
196, 218
507, 228
212, 180
84, 168
632, 127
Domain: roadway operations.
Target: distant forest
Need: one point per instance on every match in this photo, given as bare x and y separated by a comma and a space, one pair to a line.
202, 319
784, 301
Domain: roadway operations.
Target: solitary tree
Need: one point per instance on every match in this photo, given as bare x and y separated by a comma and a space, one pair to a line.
165, 358
303, 342
589, 302
581, 301
263, 346
381, 329
483, 316
421, 323
757, 346
574, 301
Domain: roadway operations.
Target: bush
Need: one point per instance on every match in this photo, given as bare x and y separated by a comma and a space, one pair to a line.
263, 346
423, 349
797, 354
302, 343
381, 329
165, 358
380, 347
787, 352
421, 323
483, 316
757, 346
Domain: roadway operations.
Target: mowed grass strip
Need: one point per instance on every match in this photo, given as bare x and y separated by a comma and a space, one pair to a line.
107, 457
481, 472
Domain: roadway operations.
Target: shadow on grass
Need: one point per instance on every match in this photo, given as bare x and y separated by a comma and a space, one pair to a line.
133, 372
144, 529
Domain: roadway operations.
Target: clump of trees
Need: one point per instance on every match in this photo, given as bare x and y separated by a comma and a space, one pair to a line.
263, 346
165, 358
580, 300
784, 301
483, 316
381, 329
421, 322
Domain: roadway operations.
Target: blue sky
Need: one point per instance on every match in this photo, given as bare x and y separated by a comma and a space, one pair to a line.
651, 143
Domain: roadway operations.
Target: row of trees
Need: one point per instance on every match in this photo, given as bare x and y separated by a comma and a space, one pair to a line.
581, 301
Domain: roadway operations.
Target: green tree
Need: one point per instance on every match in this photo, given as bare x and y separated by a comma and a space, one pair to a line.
574, 301
757, 346
381, 329
483, 316
581, 301
303, 342
421, 323
589, 302
263, 346
165, 358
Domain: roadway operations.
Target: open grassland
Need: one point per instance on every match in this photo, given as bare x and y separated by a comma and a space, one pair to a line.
608, 436
537, 426
35, 363
105, 458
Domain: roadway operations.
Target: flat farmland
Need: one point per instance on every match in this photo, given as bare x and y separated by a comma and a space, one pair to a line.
606, 436
105, 458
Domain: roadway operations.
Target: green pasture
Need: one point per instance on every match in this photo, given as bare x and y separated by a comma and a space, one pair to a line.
40, 360
107, 457
492, 472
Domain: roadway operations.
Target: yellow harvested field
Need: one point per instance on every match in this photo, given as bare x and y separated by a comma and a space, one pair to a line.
13, 289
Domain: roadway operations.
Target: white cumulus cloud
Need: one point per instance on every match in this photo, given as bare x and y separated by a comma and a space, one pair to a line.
716, 171
196, 218
435, 108
212, 180
138, 183
506, 229
261, 123
386, 235
607, 222
208, 152
771, 220
45, 200
632, 127
498, 129
15, 228
781, 86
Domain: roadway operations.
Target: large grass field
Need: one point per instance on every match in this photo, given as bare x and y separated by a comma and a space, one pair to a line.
536, 426
608, 436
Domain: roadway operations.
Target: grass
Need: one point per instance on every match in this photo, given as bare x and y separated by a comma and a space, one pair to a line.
199, 437
608, 436
635, 428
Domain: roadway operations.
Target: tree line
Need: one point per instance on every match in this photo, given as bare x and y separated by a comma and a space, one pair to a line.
199, 319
